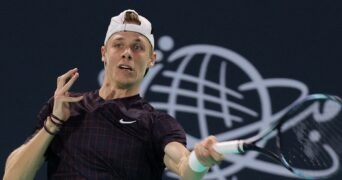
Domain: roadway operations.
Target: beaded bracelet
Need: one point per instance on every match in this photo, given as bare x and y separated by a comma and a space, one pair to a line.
59, 121
55, 122
47, 129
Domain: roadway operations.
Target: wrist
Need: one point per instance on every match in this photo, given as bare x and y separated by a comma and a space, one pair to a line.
195, 164
51, 127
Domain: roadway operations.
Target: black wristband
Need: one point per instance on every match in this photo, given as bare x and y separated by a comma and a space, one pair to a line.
59, 121
56, 123
47, 129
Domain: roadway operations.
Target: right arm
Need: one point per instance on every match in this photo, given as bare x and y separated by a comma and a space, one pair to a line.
177, 158
24, 162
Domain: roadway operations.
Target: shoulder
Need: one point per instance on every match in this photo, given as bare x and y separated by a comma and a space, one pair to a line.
162, 116
91, 100
157, 115
167, 129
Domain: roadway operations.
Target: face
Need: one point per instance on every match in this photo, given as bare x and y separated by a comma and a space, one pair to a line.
126, 56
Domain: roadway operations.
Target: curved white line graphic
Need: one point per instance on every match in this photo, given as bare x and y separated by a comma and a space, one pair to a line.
257, 83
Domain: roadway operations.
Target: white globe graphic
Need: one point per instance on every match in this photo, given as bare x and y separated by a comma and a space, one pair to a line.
205, 88
212, 90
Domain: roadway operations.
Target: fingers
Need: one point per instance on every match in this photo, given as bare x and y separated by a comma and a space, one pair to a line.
62, 97
64, 83
73, 99
61, 80
68, 85
206, 153
210, 145
203, 155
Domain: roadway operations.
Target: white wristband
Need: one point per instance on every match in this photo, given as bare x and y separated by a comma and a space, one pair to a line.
195, 164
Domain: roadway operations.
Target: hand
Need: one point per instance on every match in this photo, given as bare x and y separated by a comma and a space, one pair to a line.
205, 152
61, 97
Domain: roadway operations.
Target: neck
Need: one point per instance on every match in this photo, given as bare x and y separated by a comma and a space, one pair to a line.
109, 92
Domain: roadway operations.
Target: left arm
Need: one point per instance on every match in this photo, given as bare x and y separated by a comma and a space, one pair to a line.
176, 158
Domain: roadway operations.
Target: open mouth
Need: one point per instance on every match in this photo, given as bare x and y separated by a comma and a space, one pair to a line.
125, 67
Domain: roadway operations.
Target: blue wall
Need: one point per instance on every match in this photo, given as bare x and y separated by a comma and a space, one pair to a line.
292, 48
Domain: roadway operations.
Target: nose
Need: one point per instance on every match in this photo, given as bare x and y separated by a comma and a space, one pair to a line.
127, 54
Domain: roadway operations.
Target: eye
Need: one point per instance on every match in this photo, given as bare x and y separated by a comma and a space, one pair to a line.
118, 45
138, 47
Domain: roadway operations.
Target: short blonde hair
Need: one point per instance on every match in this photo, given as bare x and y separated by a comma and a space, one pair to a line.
131, 18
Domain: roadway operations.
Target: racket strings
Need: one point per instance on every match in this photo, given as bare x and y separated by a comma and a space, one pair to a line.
332, 133
304, 154
303, 145
304, 149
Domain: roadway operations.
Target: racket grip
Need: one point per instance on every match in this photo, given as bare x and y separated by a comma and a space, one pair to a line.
229, 147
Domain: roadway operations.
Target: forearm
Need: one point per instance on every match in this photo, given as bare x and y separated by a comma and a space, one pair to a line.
176, 159
192, 165
188, 173
24, 162
182, 168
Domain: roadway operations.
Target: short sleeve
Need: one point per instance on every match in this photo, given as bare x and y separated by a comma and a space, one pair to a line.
166, 129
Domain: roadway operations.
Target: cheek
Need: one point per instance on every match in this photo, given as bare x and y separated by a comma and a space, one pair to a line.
112, 60
143, 64
110, 65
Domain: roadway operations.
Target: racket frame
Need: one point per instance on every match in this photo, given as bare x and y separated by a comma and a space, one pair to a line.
242, 146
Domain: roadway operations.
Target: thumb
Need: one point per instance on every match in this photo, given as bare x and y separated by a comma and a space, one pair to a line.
73, 99
211, 140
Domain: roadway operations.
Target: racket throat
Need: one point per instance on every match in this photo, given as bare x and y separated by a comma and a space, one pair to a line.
277, 158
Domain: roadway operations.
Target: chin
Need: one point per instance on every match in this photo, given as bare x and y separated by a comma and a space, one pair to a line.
125, 83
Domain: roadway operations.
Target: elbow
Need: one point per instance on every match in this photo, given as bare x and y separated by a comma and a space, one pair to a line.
14, 169
9, 175
9, 170
14, 176
12, 173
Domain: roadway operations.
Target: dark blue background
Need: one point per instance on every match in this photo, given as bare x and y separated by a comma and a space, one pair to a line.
41, 39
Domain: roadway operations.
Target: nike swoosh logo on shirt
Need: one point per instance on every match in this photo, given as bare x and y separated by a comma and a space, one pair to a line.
126, 122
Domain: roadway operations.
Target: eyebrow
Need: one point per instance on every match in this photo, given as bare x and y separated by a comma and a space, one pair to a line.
121, 39
138, 40
118, 39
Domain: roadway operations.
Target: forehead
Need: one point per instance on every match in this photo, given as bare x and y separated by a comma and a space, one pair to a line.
129, 36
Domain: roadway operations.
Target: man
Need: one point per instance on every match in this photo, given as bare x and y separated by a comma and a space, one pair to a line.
111, 133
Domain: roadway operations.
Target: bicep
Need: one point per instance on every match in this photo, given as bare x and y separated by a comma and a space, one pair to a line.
175, 158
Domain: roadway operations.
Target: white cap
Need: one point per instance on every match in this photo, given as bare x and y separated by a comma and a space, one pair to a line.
117, 25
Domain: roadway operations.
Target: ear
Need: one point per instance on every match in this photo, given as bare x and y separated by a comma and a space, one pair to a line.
152, 60
104, 61
103, 52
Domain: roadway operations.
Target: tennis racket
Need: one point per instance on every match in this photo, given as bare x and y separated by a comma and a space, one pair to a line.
308, 138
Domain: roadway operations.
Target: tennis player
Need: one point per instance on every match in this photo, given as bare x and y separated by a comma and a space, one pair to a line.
112, 132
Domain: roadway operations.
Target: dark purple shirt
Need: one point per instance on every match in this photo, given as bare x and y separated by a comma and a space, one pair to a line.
114, 139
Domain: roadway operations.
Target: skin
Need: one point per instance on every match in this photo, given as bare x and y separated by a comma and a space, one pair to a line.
126, 56
125, 49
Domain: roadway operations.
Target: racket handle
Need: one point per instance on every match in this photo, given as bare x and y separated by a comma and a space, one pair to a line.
229, 147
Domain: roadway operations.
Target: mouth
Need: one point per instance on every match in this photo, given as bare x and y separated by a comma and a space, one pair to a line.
125, 67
